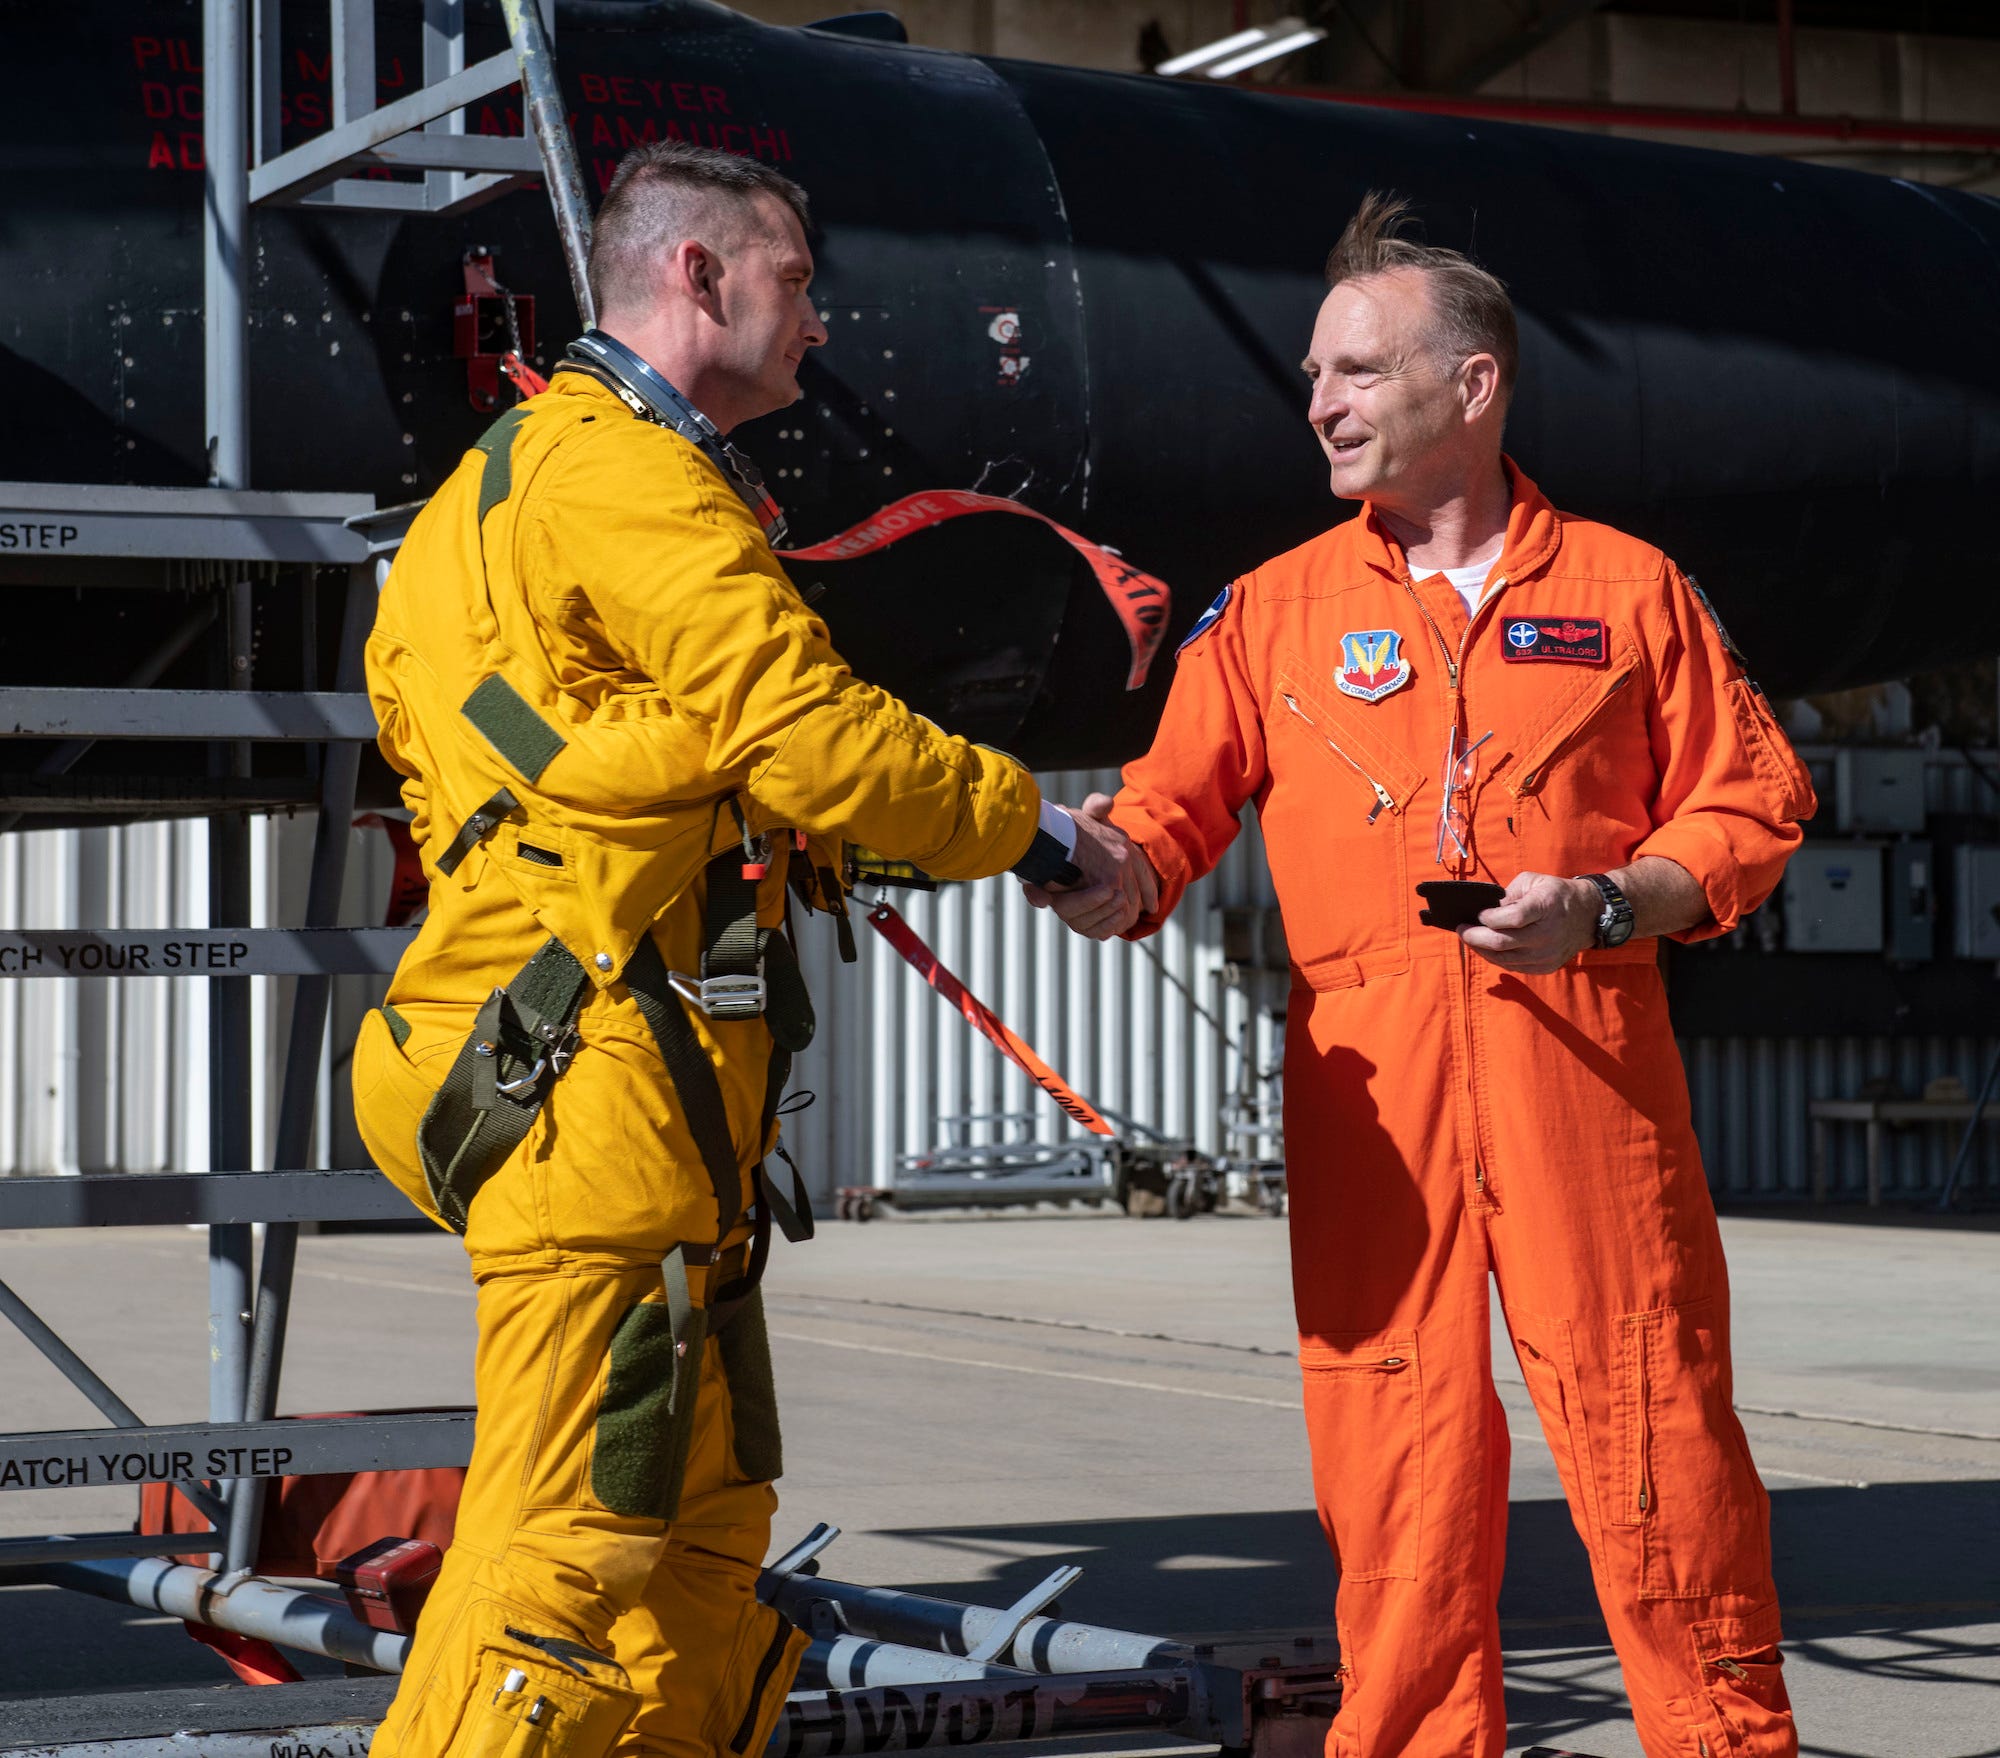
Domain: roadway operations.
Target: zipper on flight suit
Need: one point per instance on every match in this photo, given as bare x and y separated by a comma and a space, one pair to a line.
1383, 797
1613, 685
1453, 668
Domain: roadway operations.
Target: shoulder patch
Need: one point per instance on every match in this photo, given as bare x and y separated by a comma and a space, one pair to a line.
1207, 620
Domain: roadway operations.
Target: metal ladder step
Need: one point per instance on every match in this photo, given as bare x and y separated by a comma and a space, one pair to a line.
152, 796
194, 1199
201, 952
296, 716
178, 1452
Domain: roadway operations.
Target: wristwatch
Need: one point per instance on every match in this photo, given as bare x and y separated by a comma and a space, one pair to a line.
1614, 926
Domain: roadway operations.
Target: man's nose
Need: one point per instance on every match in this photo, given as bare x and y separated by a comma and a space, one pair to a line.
1327, 404
813, 330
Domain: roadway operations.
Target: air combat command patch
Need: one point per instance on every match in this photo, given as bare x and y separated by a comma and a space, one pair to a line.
1371, 664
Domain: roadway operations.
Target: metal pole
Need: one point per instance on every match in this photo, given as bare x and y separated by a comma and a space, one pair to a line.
340, 768
229, 1058
254, 1608
1965, 1142
225, 338
225, 137
562, 172
1044, 1644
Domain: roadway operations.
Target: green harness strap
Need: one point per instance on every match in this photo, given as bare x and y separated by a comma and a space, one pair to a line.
692, 1073
520, 1044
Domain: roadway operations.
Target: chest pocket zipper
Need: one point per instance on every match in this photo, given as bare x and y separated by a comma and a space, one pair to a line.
1537, 768
1383, 797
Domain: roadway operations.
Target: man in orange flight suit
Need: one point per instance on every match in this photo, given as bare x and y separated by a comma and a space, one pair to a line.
1463, 682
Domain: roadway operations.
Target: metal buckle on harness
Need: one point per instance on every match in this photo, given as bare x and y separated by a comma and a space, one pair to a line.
722, 997
558, 1051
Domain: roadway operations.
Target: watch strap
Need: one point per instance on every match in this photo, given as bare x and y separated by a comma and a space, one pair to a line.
1617, 912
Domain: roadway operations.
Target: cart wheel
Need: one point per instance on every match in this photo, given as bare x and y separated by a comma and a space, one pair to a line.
843, 1207
1182, 1199
864, 1207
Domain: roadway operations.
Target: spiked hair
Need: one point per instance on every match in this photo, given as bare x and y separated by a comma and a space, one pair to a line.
1470, 311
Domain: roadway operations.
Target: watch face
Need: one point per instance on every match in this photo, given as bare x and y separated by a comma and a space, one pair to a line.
1614, 927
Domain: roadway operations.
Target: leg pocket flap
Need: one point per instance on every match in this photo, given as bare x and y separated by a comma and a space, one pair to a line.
1365, 1415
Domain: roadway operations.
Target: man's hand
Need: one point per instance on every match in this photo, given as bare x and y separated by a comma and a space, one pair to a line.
1118, 884
1540, 925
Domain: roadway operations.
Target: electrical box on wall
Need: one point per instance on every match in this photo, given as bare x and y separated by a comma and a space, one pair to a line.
1976, 919
1878, 791
1912, 930
1833, 898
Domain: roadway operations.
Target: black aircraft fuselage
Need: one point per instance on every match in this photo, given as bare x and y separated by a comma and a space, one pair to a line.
1088, 291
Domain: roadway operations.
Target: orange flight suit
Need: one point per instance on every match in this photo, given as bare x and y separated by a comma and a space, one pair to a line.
1445, 1118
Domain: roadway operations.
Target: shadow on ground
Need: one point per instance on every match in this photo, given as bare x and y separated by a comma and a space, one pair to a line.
1902, 1565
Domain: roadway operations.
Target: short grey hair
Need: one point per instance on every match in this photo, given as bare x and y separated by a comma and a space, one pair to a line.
664, 193
1471, 313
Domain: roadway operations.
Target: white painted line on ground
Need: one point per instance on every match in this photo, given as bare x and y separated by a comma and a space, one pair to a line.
1018, 1318
1056, 1373
1813, 1477
1047, 1373
1947, 1434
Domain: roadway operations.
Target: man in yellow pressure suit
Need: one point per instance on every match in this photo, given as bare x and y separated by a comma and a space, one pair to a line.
622, 730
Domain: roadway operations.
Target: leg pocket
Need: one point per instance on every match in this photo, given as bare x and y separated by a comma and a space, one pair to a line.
503, 1688
645, 1419
1681, 1472
756, 1450
1364, 1417
1743, 1684
527, 1706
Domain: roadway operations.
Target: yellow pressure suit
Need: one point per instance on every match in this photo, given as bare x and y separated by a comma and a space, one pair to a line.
600, 685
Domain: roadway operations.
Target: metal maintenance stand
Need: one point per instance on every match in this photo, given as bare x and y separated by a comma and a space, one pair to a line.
220, 1465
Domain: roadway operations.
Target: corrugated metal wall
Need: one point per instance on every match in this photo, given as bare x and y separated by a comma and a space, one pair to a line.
111, 1074
892, 1058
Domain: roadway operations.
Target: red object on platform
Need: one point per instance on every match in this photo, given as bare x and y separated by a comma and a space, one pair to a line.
387, 1582
311, 1523
318, 1525
250, 1658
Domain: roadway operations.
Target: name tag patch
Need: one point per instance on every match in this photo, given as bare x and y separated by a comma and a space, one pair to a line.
1568, 640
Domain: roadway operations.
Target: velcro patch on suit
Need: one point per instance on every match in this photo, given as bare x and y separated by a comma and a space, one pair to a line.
1567, 640
1371, 664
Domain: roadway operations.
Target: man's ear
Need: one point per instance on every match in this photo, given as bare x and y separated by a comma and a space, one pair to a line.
1479, 384
697, 272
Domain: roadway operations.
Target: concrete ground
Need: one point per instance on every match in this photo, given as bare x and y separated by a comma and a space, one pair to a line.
974, 1400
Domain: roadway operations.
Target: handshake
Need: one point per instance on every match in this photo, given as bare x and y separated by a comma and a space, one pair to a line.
1118, 884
